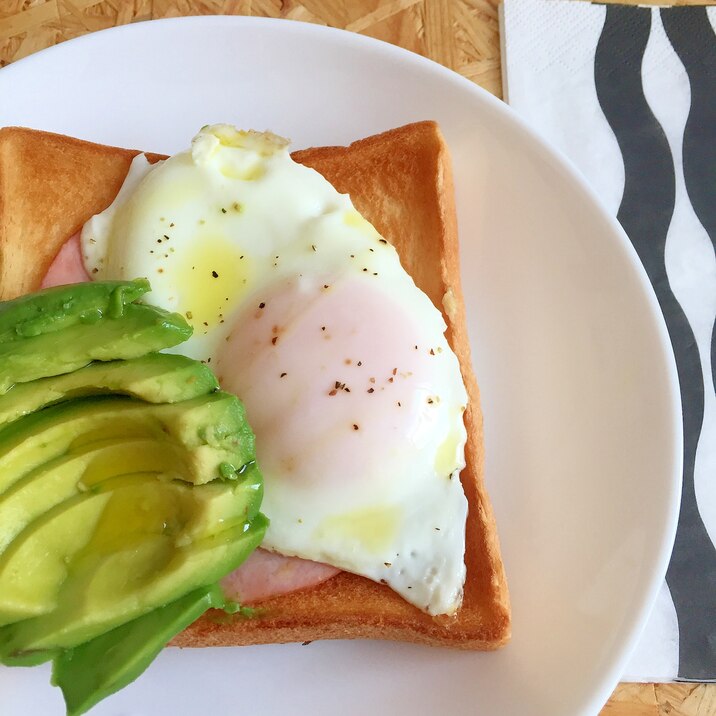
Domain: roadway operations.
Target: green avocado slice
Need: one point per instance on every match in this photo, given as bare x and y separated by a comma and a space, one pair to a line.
156, 378
101, 597
140, 330
137, 513
100, 667
79, 471
212, 430
36, 439
37, 562
63, 306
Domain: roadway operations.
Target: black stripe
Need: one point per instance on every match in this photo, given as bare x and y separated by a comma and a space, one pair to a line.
645, 213
693, 40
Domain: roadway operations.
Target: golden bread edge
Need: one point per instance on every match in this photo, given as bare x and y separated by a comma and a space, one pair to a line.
401, 180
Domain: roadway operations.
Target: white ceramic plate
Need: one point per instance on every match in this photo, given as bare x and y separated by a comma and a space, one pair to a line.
579, 390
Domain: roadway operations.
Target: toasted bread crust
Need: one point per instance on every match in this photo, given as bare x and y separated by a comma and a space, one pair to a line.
401, 181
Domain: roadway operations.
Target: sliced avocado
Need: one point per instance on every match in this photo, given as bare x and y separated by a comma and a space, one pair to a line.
34, 440
215, 428
99, 598
212, 428
31, 658
79, 471
63, 306
98, 668
37, 562
140, 330
150, 518
116, 511
156, 378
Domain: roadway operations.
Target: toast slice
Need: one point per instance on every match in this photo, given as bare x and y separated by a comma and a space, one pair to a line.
400, 181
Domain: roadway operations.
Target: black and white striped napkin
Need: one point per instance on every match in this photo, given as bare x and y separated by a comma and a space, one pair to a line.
629, 94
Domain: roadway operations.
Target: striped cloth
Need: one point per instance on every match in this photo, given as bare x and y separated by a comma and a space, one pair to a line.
629, 94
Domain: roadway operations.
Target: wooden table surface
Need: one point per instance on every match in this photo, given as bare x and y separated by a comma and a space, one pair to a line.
461, 34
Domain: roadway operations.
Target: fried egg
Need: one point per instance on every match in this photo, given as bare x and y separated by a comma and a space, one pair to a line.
305, 312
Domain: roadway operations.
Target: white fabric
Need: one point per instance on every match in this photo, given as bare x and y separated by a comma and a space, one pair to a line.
548, 77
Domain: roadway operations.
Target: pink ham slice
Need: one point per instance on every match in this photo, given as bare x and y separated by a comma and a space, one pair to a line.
67, 266
264, 574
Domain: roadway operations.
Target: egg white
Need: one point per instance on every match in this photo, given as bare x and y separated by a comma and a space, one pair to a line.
306, 314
